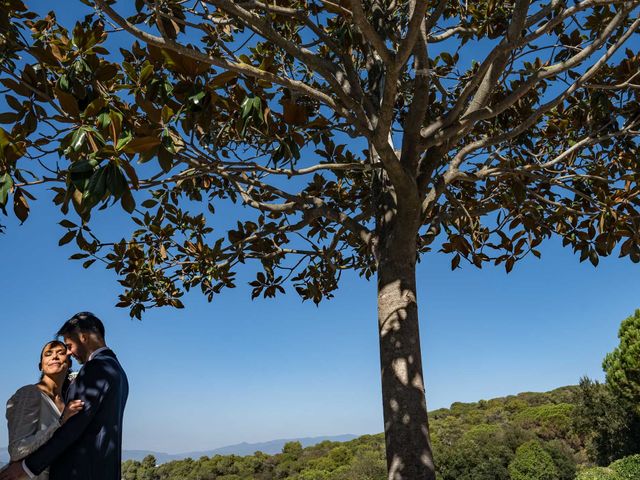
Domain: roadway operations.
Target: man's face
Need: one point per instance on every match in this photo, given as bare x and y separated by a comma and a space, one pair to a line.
76, 344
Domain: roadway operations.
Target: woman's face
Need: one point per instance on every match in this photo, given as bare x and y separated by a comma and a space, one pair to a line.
55, 359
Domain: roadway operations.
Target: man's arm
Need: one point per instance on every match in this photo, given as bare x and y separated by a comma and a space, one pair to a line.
92, 385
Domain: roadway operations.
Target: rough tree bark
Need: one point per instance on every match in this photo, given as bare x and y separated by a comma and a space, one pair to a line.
406, 426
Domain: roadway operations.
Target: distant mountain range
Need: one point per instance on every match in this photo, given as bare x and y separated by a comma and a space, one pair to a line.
272, 447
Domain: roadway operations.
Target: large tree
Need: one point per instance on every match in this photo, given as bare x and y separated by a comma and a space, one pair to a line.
360, 134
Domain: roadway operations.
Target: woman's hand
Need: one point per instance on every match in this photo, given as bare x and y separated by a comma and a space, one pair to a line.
73, 407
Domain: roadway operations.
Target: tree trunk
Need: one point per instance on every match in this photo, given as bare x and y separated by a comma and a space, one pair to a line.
406, 427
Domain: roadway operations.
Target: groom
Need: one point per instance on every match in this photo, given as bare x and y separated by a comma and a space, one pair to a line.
89, 444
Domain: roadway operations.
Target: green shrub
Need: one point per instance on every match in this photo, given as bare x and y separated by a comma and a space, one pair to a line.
481, 454
313, 475
532, 462
563, 458
597, 473
366, 465
627, 468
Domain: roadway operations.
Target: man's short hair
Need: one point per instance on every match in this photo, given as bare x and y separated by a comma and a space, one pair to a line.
85, 322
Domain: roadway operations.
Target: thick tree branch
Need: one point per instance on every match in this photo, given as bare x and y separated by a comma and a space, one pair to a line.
420, 104
550, 71
503, 47
531, 119
496, 67
360, 19
417, 28
328, 70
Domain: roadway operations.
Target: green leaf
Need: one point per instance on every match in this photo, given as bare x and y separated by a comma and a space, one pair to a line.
63, 83
195, 99
122, 141
84, 166
116, 181
167, 113
77, 139
116, 121
104, 119
5, 139
6, 184
249, 106
96, 188
250, 109
145, 73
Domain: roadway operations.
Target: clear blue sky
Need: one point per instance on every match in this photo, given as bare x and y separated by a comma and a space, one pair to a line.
240, 370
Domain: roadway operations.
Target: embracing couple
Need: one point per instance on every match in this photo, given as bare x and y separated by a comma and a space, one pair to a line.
66, 427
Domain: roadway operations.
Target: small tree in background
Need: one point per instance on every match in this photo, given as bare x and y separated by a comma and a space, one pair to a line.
359, 134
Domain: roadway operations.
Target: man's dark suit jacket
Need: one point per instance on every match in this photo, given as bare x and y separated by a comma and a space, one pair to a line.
89, 445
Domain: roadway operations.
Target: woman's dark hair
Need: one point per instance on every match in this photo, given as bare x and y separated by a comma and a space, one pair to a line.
52, 344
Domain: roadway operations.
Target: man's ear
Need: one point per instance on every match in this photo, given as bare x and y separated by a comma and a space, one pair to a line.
83, 337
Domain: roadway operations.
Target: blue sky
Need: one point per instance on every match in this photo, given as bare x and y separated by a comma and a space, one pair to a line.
240, 370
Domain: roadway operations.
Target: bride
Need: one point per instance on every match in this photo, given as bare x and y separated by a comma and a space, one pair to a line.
34, 412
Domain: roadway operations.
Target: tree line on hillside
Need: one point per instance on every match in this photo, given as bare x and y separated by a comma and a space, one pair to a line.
590, 431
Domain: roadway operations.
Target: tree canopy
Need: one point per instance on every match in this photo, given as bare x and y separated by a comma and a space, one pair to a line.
257, 104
